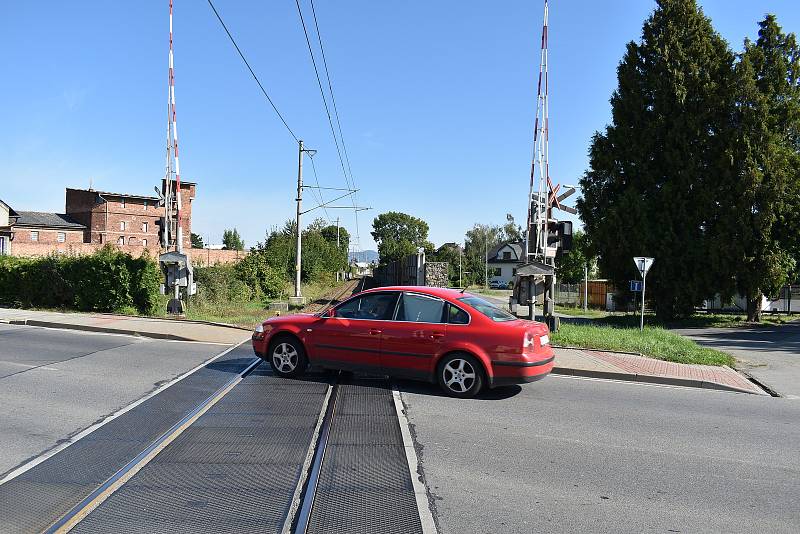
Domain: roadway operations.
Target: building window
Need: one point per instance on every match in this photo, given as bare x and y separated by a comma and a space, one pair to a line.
506, 255
145, 204
62, 237
34, 236
144, 227
3, 251
123, 202
122, 225
121, 240
144, 243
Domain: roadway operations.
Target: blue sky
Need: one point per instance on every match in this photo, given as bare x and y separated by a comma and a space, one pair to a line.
437, 101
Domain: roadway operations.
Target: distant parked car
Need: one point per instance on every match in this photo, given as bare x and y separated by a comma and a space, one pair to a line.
439, 335
498, 284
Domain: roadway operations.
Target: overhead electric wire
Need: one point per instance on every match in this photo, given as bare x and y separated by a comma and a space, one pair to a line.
255, 77
318, 190
336, 114
325, 103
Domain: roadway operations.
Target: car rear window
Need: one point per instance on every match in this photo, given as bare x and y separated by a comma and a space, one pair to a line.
457, 315
488, 309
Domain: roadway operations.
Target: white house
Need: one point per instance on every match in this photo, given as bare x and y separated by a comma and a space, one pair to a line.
503, 262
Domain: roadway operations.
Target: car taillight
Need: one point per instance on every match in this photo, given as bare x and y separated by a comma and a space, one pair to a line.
528, 341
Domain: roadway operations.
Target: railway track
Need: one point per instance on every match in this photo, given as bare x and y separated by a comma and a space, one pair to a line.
336, 295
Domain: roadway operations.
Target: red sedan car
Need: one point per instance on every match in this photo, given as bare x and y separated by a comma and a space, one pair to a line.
439, 335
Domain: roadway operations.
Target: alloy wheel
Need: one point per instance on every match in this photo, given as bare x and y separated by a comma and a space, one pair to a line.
285, 357
458, 375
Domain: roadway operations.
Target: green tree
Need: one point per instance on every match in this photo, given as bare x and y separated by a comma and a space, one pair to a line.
197, 241
656, 169
570, 266
482, 238
511, 230
398, 235
759, 223
232, 240
330, 235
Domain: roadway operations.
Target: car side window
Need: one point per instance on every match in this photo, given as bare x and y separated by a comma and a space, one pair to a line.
420, 308
457, 315
374, 306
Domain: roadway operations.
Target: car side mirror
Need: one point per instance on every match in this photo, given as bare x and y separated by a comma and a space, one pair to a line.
330, 313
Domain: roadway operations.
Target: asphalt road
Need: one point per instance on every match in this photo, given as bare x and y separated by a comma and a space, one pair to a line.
580, 455
771, 353
55, 383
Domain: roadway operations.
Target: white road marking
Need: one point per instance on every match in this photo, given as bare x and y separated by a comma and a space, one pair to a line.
82, 434
420, 491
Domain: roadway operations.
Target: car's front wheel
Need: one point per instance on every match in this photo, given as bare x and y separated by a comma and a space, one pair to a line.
287, 357
460, 375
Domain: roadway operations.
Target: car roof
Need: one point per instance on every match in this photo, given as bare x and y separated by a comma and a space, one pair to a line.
443, 292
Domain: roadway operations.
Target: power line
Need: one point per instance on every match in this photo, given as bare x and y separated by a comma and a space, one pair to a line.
336, 113
338, 123
325, 102
210, 3
318, 193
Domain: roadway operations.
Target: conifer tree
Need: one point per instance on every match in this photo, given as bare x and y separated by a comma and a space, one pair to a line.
760, 221
650, 189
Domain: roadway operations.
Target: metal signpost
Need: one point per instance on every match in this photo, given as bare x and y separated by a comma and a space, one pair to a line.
642, 265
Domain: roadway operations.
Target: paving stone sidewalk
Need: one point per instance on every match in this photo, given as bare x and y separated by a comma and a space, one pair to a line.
624, 366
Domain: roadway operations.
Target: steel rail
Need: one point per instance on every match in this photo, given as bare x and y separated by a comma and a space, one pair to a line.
118, 479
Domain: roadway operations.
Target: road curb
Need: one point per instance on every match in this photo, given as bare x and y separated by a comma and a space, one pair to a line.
101, 329
651, 379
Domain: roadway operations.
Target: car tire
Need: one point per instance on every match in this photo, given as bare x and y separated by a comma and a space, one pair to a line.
460, 375
287, 357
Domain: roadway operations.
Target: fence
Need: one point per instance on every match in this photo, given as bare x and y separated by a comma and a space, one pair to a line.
572, 294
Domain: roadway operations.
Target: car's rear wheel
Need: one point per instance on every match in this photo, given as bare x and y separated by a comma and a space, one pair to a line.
460, 375
287, 357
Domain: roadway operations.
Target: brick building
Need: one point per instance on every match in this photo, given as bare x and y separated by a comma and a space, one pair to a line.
92, 220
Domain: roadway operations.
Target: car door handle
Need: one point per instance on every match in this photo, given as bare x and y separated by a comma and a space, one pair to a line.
437, 335
374, 332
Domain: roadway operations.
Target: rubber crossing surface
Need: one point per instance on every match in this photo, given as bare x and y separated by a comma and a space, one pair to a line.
364, 483
37, 498
234, 470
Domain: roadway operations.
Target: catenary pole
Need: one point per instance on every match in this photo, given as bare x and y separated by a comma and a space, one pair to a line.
299, 251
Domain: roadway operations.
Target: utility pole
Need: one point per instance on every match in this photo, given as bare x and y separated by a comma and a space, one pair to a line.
585, 287
337, 244
298, 298
460, 253
486, 263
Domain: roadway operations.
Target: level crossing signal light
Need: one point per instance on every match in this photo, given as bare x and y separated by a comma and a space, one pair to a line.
559, 236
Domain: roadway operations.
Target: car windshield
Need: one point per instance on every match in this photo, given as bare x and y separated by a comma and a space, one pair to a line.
488, 309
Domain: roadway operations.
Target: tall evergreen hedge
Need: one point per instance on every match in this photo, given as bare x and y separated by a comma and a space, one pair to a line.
108, 280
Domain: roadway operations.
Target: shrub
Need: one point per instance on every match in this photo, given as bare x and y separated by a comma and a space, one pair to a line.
107, 280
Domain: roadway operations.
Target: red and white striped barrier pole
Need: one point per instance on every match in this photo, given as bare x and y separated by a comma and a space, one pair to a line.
179, 230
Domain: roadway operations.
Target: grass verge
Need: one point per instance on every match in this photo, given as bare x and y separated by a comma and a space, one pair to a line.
653, 342
246, 314
578, 312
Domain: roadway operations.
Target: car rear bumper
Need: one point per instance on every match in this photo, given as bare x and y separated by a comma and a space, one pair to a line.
507, 373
